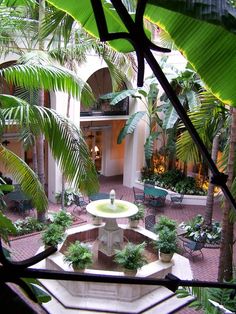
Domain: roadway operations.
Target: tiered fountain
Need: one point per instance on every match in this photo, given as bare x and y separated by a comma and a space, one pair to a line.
118, 298
111, 236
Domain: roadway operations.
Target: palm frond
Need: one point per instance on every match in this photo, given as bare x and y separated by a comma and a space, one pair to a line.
48, 77
65, 140
8, 101
25, 176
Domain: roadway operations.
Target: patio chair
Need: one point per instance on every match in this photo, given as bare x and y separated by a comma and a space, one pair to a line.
193, 248
176, 199
139, 196
25, 205
150, 221
80, 202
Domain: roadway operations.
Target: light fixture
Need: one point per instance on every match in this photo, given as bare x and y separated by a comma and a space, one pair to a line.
96, 149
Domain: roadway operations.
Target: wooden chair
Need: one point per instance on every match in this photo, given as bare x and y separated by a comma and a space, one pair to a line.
176, 199
150, 221
139, 196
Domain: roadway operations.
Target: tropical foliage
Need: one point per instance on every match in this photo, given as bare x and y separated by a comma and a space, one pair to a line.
53, 235
210, 300
196, 230
201, 26
174, 180
148, 96
28, 225
62, 218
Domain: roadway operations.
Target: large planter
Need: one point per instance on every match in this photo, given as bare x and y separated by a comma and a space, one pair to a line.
166, 257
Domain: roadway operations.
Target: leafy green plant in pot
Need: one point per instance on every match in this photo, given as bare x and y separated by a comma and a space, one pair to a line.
63, 219
166, 244
134, 220
131, 258
78, 255
53, 235
165, 222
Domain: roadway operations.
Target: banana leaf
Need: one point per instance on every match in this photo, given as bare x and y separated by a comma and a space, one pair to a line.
130, 125
203, 31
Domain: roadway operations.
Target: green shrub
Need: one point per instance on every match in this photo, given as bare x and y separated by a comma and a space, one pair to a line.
167, 241
53, 235
131, 257
188, 186
78, 255
28, 225
174, 180
63, 219
165, 222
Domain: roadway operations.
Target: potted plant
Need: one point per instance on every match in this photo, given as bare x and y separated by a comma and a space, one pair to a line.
166, 244
96, 220
53, 235
134, 220
63, 219
78, 255
131, 258
165, 222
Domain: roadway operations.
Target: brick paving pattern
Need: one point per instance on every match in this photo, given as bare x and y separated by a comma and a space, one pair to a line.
203, 269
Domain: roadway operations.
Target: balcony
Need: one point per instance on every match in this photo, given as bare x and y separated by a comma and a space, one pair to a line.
103, 108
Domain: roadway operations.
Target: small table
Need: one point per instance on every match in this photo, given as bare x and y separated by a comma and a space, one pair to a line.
99, 196
21, 200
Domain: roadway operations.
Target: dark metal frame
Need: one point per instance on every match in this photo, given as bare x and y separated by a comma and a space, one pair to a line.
13, 271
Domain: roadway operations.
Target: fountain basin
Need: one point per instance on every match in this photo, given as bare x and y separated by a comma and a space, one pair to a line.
63, 300
104, 209
120, 292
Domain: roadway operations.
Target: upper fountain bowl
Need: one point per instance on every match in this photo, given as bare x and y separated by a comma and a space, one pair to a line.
104, 208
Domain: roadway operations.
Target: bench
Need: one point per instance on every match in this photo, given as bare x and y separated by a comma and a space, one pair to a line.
155, 196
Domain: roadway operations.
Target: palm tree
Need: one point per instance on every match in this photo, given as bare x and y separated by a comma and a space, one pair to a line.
210, 120
65, 140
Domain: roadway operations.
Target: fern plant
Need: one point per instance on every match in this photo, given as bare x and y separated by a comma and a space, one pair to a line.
132, 256
78, 255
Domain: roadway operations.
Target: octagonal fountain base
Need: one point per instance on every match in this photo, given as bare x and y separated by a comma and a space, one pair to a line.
111, 298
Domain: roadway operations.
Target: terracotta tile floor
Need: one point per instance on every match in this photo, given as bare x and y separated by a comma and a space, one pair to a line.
203, 269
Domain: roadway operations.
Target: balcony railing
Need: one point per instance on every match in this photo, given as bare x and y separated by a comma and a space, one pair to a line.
103, 108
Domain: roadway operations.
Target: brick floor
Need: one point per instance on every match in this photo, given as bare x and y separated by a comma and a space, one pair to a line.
203, 269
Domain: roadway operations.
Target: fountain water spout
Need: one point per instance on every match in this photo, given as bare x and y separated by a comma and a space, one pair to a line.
112, 198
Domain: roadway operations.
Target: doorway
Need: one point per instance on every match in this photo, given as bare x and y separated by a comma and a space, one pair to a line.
94, 142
